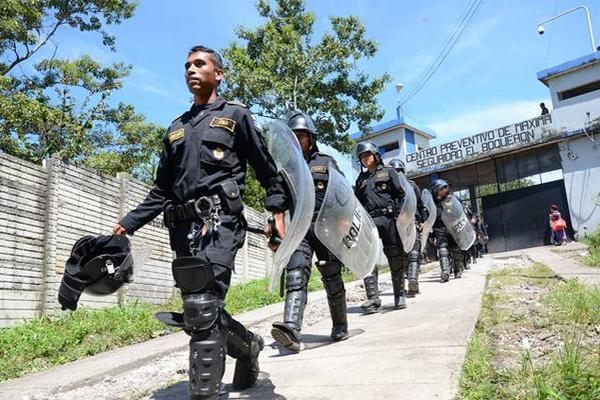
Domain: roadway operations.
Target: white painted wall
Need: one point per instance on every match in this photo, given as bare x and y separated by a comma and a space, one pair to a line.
582, 182
560, 83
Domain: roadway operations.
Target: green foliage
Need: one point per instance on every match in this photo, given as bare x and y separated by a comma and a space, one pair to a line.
44, 342
278, 66
255, 195
572, 371
62, 107
593, 242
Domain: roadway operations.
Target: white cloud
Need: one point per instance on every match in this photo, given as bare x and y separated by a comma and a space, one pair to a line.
485, 119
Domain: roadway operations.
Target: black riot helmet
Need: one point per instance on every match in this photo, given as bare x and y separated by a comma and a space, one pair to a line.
300, 121
438, 185
368, 146
398, 165
98, 265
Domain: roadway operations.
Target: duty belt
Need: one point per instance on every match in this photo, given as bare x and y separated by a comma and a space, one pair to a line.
204, 208
379, 212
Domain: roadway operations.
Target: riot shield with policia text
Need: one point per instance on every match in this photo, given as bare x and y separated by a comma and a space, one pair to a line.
427, 225
285, 150
405, 222
456, 221
345, 227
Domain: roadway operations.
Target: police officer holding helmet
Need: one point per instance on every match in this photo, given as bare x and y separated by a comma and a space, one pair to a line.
199, 185
378, 189
287, 332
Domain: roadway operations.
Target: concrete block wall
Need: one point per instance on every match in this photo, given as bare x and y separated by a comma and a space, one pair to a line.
45, 209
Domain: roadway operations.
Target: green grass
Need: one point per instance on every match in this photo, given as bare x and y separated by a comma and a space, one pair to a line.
593, 242
45, 342
570, 372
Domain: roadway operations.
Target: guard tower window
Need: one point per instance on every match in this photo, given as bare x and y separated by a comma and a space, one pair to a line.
579, 90
389, 147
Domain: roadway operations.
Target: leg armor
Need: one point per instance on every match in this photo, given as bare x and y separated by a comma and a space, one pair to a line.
444, 263
413, 271
244, 346
331, 276
287, 333
372, 288
202, 317
398, 261
458, 261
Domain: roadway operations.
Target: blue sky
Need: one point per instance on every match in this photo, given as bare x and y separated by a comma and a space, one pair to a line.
488, 80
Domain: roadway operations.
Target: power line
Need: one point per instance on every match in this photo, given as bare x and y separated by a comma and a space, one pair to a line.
449, 44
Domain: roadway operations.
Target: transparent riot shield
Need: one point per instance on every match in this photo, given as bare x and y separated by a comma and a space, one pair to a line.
427, 225
457, 222
405, 223
345, 227
286, 152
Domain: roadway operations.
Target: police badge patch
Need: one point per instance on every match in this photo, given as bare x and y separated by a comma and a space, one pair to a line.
224, 123
178, 134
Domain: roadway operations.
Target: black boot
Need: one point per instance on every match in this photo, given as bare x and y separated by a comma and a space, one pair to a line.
371, 287
457, 263
207, 363
247, 369
331, 276
413, 273
398, 287
287, 333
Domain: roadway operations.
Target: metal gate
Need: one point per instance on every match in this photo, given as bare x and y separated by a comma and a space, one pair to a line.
518, 218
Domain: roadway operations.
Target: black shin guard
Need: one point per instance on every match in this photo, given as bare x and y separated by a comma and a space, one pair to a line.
331, 276
413, 272
457, 261
444, 263
372, 290
287, 333
398, 262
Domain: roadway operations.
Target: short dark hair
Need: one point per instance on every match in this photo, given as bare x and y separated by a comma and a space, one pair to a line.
214, 56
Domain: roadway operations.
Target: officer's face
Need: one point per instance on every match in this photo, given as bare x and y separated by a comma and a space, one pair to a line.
367, 159
201, 75
443, 192
304, 139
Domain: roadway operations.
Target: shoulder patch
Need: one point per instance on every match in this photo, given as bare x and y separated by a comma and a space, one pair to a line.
224, 123
236, 103
176, 135
362, 184
383, 174
319, 168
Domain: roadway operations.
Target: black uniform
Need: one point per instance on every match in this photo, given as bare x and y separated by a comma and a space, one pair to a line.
447, 246
299, 268
205, 154
411, 260
379, 193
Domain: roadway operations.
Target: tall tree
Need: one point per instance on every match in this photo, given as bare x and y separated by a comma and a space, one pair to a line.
63, 106
279, 66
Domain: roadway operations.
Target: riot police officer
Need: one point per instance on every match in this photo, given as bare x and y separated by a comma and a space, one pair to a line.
287, 333
411, 261
378, 189
446, 245
199, 185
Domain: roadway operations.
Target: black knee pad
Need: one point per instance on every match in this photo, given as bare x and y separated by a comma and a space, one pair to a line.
296, 279
443, 252
413, 256
193, 274
201, 311
331, 276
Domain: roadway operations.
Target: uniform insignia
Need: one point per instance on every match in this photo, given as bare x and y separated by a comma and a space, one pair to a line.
218, 153
224, 123
319, 168
320, 185
178, 134
362, 184
383, 175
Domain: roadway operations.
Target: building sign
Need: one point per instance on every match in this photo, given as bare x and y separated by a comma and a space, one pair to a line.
481, 145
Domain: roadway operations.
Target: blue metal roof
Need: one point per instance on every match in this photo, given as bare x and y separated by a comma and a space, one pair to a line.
559, 69
391, 124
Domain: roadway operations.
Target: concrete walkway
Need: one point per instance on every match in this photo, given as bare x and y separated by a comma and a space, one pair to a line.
562, 260
415, 353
